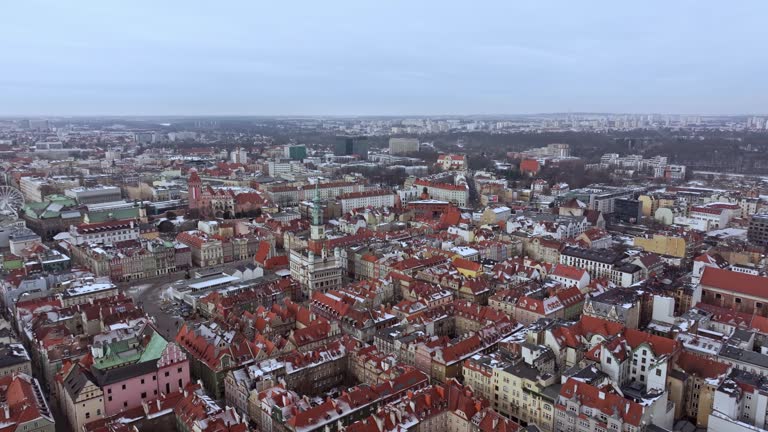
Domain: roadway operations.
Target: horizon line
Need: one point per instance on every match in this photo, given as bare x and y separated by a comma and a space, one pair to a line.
24, 116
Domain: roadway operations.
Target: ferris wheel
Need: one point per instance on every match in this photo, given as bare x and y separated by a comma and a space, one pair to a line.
11, 201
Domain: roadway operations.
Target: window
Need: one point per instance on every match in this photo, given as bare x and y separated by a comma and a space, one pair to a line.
88, 415
143, 395
758, 305
123, 386
109, 398
608, 360
658, 371
142, 380
737, 300
125, 404
167, 373
98, 411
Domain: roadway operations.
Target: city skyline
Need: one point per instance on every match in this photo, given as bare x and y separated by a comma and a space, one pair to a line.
348, 59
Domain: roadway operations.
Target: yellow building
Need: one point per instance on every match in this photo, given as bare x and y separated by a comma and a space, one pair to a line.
693, 386
466, 267
663, 245
650, 204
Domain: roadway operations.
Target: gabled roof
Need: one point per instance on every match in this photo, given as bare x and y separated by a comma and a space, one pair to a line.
603, 400
466, 264
568, 272
659, 344
736, 282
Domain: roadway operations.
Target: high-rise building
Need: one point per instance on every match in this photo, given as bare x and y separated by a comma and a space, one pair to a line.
403, 145
239, 155
351, 146
295, 152
40, 125
758, 229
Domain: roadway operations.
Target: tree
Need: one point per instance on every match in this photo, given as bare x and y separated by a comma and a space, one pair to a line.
166, 226
481, 163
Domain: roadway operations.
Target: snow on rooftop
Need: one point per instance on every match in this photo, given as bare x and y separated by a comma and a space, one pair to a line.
89, 288
213, 282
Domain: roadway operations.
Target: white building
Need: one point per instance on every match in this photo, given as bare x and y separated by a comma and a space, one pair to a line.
239, 155
715, 215
365, 199
316, 272
740, 404
36, 188
104, 232
452, 162
22, 238
279, 167
457, 194
570, 276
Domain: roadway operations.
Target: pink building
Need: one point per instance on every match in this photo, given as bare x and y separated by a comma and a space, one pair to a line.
128, 386
126, 366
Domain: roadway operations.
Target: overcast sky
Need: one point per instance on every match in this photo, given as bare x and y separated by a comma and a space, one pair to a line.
382, 57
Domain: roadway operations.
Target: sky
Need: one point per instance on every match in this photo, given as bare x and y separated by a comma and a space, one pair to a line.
385, 57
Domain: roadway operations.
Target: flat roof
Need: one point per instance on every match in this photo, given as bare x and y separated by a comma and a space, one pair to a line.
213, 282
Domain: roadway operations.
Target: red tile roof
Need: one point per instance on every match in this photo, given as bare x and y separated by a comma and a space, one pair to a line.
568, 272
529, 166
701, 366
736, 282
446, 186
466, 264
659, 344
607, 402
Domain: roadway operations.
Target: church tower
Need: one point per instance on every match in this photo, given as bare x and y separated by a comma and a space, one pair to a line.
194, 188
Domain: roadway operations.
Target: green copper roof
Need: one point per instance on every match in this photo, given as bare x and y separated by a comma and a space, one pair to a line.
120, 353
154, 348
117, 214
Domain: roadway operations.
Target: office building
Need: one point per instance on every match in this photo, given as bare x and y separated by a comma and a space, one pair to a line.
403, 145
95, 194
627, 210
295, 152
351, 146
